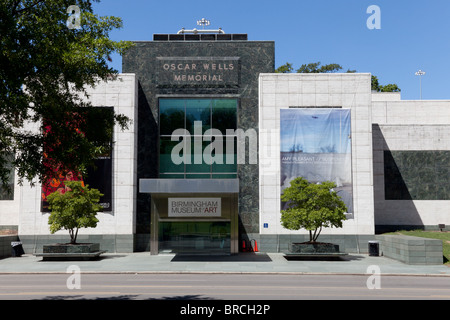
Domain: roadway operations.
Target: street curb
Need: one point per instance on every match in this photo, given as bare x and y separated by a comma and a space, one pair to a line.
234, 272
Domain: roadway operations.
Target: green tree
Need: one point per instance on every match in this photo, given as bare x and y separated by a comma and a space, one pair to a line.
285, 68
75, 208
45, 65
312, 207
310, 68
316, 68
376, 86
334, 67
392, 87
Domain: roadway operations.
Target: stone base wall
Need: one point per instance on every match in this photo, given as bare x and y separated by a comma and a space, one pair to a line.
5, 245
282, 243
123, 243
411, 250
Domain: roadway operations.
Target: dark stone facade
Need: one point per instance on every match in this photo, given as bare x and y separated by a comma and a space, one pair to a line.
417, 175
165, 68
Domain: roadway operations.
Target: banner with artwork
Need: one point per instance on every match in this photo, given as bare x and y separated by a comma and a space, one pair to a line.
99, 176
316, 145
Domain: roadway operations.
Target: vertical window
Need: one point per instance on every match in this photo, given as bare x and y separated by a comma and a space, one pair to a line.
6, 194
171, 115
203, 135
198, 110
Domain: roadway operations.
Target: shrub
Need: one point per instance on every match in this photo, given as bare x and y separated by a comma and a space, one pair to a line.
312, 207
75, 208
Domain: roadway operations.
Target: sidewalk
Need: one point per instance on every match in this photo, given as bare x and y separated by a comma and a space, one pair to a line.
143, 262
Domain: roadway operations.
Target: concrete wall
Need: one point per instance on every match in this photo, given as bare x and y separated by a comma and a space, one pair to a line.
24, 210
413, 126
349, 91
411, 250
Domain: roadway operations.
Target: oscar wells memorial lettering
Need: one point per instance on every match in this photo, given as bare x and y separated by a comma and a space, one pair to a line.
217, 71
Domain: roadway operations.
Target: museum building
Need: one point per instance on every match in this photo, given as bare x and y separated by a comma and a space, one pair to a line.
216, 136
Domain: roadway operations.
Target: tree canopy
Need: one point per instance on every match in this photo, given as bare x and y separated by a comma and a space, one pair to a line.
312, 206
376, 86
316, 67
45, 66
74, 208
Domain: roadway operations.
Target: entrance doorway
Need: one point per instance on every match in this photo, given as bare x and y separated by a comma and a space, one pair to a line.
202, 221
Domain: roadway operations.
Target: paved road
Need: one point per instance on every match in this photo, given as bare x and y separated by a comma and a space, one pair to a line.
73, 286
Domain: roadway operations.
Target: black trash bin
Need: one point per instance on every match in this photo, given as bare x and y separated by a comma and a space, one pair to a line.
17, 249
374, 248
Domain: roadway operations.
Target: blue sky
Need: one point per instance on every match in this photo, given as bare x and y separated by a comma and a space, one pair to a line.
414, 34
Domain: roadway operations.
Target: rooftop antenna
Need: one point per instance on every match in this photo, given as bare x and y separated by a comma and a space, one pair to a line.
202, 22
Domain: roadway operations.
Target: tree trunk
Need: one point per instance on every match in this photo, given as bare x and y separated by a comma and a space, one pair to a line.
316, 234
73, 236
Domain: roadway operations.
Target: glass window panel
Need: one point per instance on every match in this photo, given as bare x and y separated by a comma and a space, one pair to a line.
229, 157
198, 176
166, 165
198, 110
226, 167
224, 175
194, 237
224, 114
6, 194
171, 115
175, 113
171, 176
198, 164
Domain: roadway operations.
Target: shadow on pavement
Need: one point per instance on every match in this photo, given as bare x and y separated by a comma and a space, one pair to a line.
323, 258
249, 256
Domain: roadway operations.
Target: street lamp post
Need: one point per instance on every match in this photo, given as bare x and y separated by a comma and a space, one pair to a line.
420, 73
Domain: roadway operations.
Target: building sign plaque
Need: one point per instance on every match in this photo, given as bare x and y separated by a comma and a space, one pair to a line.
198, 71
194, 207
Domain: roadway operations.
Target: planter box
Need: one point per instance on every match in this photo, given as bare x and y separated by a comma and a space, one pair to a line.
316, 250
67, 251
71, 248
317, 247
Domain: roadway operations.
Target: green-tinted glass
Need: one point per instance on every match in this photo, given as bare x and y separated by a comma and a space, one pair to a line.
171, 115
224, 176
198, 164
224, 114
171, 176
198, 110
166, 164
215, 154
198, 176
225, 156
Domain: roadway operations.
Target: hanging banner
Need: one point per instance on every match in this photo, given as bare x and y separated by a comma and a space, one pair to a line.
316, 145
98, 177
